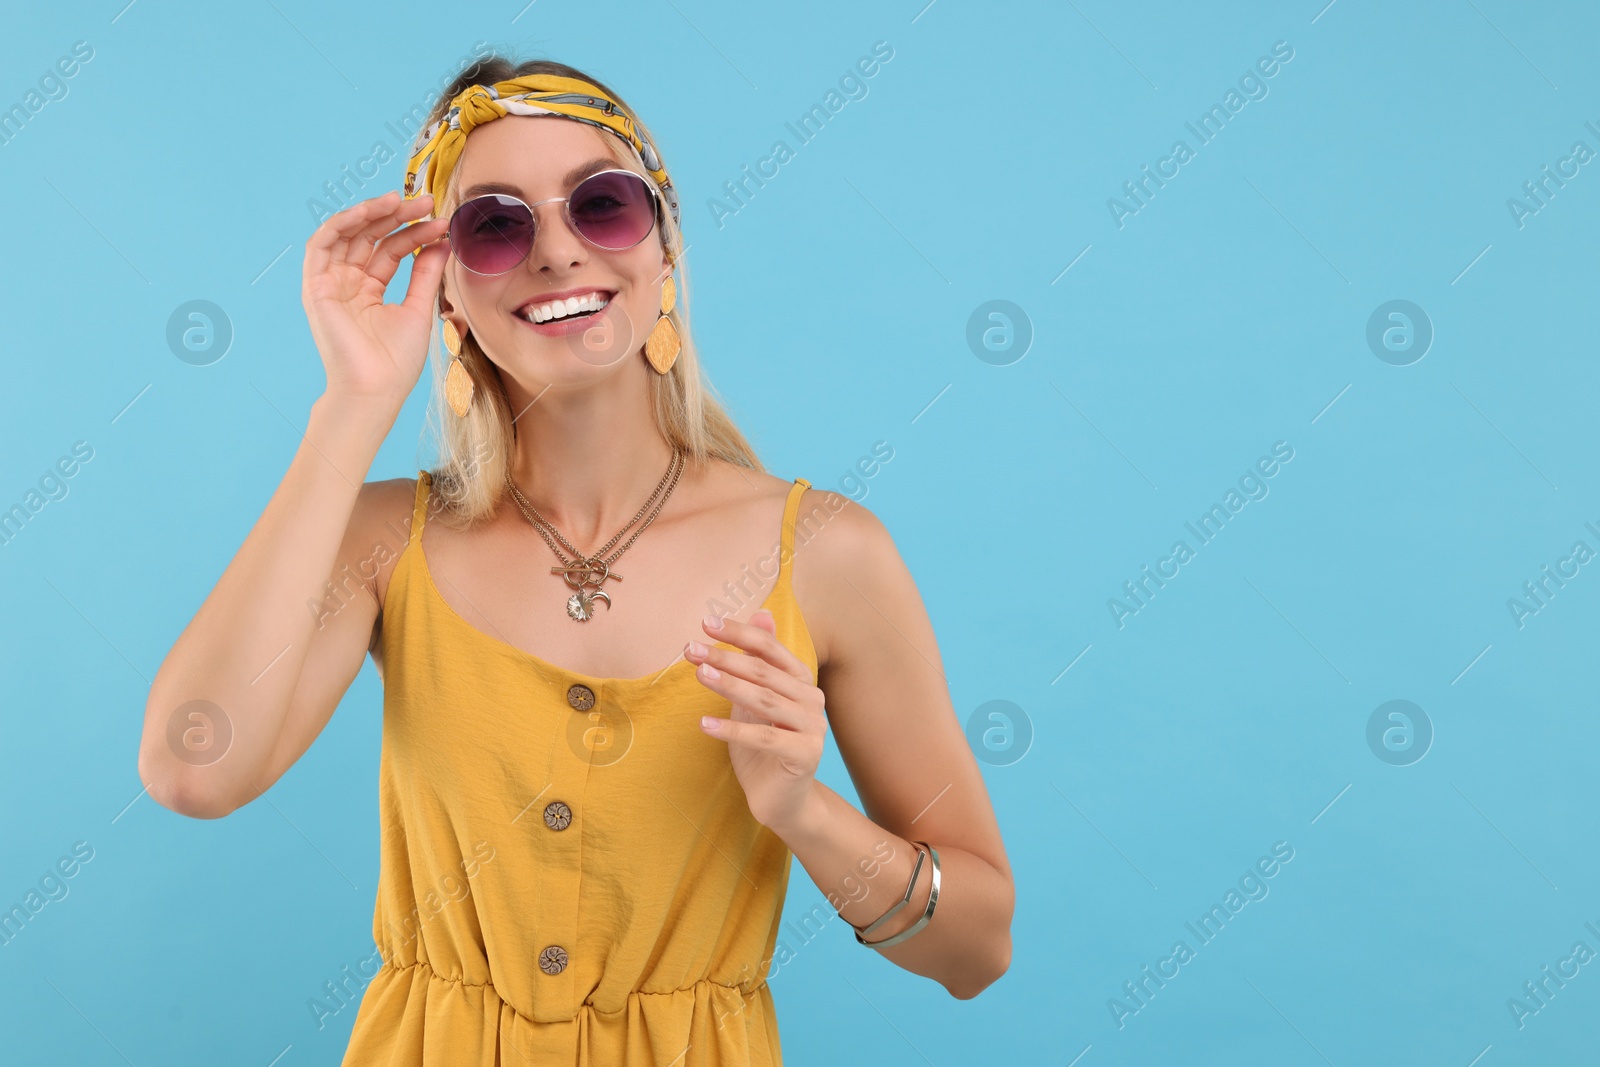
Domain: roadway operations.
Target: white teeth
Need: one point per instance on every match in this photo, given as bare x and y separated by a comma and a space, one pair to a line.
560, 309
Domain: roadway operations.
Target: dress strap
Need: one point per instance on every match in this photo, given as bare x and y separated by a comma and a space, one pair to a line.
791, 514
419, 508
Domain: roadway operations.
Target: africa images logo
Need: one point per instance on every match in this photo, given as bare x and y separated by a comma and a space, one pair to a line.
1210, 123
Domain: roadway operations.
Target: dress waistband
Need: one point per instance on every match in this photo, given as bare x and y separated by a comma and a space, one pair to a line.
427, 971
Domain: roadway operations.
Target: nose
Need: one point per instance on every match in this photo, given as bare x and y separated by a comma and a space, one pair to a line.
556, 248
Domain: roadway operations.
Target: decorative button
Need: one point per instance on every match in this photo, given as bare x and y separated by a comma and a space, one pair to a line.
553, 960
581, 697
557, 815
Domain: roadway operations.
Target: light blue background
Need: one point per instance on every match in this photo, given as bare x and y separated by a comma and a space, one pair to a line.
1228, 314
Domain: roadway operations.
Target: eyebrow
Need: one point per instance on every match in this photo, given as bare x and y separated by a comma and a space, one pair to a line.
572, 177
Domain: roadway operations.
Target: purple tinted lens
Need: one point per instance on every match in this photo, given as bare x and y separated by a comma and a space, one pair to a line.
491, 234
613, 209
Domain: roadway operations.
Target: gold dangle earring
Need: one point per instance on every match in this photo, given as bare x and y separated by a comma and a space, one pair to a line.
661, 347
458, 388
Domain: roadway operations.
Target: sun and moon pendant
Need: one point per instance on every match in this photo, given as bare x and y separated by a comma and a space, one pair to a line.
580, 574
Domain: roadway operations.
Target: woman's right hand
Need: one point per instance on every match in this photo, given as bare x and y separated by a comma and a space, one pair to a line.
373, 352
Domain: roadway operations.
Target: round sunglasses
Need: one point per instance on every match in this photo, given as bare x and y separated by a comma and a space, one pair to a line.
613, 210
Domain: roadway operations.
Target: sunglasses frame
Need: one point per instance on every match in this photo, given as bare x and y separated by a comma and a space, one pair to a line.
566, 212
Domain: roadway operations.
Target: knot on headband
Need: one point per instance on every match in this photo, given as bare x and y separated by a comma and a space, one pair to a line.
439, 146
475, 106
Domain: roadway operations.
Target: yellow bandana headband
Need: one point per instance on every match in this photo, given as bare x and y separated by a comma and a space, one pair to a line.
440, 145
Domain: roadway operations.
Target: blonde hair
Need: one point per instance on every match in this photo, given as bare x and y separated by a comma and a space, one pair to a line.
475, 450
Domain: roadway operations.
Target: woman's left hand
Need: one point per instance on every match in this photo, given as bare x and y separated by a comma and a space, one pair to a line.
776, 728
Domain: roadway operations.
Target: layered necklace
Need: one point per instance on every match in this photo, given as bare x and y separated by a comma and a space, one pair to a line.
584, 574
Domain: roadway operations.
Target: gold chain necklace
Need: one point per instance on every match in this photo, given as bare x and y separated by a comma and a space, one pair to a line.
583, 571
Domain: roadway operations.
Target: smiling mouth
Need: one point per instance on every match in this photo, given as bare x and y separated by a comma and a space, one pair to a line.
574, 307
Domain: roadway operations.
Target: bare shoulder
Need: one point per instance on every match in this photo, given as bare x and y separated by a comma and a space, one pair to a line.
726, 483
379, 527
842, 551
846, 564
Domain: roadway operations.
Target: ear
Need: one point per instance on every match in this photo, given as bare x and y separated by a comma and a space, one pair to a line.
446, 289
447, 308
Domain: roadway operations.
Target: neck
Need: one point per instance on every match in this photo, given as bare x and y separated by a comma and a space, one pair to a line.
587, 457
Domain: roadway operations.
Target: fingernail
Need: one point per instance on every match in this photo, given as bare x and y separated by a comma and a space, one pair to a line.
708, 722
713, 622
710, 672
697, 649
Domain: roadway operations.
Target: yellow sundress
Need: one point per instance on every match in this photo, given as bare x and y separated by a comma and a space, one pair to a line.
569, 871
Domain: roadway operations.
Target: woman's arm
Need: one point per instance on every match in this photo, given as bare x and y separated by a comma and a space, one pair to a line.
257, 673
888, 705
255, 659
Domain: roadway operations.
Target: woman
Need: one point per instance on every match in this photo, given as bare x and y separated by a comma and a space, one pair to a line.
582, 863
